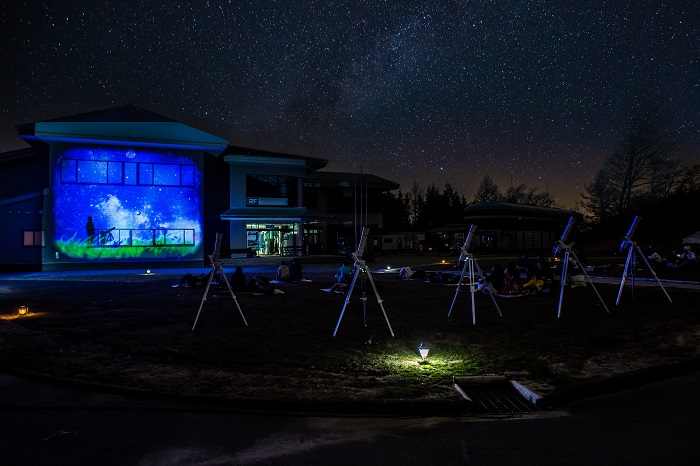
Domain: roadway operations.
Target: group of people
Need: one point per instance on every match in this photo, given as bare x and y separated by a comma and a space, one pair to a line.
510, 281
289, 273
257, 284
686, 260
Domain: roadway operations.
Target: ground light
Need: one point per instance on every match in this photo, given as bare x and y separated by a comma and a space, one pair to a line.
23, 310
423, 350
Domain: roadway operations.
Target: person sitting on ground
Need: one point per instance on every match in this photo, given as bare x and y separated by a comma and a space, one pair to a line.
260, 284
512, 281
343, 277
295, 270
283, 274
408, 274
238, 280
188, 280
687, 260
524, 263
653, 256
496, 278
344, 273
534, 285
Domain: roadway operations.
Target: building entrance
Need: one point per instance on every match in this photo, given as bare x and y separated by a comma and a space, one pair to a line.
271, 239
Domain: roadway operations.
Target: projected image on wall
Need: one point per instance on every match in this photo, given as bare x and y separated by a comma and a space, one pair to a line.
127, 204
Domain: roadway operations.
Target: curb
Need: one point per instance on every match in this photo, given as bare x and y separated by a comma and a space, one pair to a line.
562, 395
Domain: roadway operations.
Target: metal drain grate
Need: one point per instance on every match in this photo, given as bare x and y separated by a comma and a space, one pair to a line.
497, 395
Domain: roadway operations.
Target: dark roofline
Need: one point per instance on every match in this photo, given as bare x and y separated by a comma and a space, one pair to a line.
312, 163
23, 153
368, 179
123, 114
507, 209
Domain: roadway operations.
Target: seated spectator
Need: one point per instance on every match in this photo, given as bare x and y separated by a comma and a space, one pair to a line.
283, 274
260, 284
189, 280
295, 270
671, 259
495, 278
534, 285
408, 274
238, 280
512, 280
687, 259
344, 273
653, 256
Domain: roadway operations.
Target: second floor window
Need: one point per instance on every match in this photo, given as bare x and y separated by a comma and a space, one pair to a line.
269, 186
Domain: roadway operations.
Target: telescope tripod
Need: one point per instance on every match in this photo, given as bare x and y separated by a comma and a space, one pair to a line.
631, 266
217, 271
362, 273
564, 271
471, 263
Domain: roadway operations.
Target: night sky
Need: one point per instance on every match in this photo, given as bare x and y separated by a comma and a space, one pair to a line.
535, 92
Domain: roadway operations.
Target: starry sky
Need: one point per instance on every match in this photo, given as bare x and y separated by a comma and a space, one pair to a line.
536, 92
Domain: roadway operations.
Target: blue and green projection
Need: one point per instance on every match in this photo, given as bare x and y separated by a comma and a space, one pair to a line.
113, 203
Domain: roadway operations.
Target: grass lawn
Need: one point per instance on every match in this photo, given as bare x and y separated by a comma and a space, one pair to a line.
136, 330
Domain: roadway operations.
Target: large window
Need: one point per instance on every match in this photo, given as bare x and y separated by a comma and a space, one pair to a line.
33, 238
267, 186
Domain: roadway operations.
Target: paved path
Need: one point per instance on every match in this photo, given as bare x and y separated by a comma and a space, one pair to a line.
44, 424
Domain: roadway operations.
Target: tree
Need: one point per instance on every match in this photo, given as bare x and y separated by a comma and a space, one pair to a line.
632, 168
416, 206
599, 197
487, 191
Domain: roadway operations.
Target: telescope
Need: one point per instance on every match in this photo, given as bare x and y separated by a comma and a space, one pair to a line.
467, 243
564, 236
627, 239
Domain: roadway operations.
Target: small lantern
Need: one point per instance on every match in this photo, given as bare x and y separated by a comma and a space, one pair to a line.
23, 310
423, 350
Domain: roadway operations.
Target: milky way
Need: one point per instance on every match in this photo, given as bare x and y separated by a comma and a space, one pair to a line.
536, 92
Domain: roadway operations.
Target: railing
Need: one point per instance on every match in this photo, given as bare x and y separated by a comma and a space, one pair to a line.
140, 237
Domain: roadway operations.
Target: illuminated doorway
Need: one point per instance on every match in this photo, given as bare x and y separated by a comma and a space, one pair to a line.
271, 239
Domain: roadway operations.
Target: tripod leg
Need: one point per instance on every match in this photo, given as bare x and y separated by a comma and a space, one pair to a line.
472, 290
590, 281
347, 300
639, 251
228, 285
488, 288
564, 271
624, 274
379, 300
459, 283
204, 297
364, 297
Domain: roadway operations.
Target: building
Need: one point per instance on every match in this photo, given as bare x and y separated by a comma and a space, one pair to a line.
502, 226
126, 187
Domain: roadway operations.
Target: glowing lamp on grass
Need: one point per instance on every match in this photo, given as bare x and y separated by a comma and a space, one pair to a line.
423, 350
23, 310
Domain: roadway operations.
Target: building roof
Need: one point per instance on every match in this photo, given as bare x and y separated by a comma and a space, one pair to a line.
248, 154
327, 179
506, 209
127, 124
507, 216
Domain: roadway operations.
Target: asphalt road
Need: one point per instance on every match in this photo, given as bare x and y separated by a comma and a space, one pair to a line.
45, 424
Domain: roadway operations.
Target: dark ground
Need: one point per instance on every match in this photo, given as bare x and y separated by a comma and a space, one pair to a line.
131, 329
